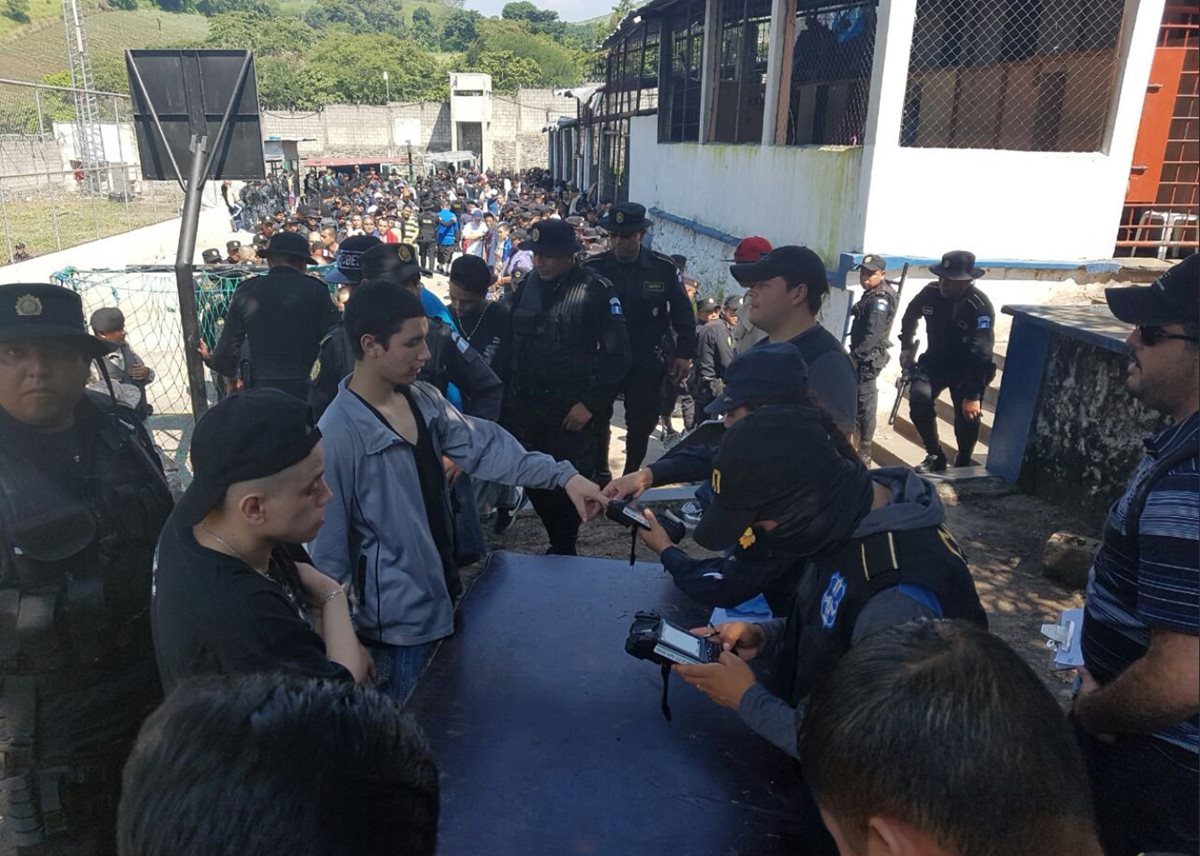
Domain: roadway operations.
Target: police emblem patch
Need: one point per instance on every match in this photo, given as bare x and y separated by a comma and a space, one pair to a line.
403, 252
619, 216
832, 600
316, 371
29, 306
614, 306
748, 538
536, 235
985, 323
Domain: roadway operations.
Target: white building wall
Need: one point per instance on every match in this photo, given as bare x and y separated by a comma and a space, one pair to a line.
999, 204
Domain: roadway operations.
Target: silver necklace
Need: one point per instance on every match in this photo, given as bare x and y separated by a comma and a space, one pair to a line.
471, 335
231, 548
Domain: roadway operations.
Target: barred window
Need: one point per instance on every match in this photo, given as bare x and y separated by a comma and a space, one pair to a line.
742, 71
679, 95
631, 77
830, 81
1029, 75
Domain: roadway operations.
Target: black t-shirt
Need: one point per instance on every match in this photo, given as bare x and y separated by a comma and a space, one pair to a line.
214, 614
490, 333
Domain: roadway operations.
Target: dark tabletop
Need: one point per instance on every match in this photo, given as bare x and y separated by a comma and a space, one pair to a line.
550, 738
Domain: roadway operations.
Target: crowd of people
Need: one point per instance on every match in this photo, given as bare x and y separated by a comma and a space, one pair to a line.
294, 594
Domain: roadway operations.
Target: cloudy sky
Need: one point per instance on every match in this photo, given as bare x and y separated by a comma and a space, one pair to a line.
568, 10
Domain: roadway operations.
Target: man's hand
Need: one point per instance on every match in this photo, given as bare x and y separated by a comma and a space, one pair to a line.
586, 497
1087, 686
908, 360
577, 417
202, 350
139, 372
970, 409
656, 538
631, 486
680, 369
738, 637
724, 682
450, 469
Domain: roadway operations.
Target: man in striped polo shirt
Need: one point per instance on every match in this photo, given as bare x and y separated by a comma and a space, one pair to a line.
1140, 691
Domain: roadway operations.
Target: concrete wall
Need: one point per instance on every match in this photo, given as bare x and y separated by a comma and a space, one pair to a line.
789, 195
32, 158
999, 204
1087, 433
514, 139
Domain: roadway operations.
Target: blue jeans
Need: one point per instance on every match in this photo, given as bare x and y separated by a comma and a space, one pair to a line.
399, 667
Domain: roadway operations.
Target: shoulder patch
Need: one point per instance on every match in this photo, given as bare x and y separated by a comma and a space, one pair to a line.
459, 342
984, 323
831, 601
883, 305
614, 306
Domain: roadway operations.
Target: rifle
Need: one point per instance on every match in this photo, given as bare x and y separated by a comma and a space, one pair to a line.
902, 384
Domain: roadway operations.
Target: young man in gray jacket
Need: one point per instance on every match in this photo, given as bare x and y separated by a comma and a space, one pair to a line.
388, 531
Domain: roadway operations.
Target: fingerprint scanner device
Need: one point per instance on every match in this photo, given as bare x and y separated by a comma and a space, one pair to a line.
653, 638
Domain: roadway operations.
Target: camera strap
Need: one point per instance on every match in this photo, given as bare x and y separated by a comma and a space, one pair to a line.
666, 679
633, 533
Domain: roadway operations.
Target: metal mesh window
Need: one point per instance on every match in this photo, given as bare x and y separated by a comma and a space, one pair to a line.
679, 96
631, 79
830, 81
742, 71
1030, 75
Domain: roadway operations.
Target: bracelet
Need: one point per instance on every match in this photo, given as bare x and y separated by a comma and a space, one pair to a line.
325, 600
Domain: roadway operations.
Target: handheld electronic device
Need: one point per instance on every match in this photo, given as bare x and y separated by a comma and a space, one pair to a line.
653, 638
627, 514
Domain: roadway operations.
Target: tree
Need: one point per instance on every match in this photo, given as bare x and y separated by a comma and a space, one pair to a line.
543, 21
509, 72
357, 16
259, 33
351, 70
17, 10
459, 29
558, 64
424, 30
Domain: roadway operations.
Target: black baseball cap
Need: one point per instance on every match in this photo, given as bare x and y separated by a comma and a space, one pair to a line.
774, 457
348, 260
1173, 298
872, 262
41, 311
791, 262
708, 304
249, 435
393, 262
765, 374
471, 273
107, 319
553, 238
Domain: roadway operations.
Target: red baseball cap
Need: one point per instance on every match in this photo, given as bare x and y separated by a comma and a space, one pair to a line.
750, 250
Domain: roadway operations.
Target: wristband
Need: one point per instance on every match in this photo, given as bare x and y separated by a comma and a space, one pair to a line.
329, 597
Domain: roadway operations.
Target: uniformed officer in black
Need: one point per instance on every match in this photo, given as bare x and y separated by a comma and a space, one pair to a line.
452, 360
283, 315
870, 338
959, 322
82, 501
662, 330
570, 352
715, 351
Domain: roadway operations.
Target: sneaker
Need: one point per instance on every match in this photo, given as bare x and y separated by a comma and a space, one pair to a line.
932, 464
505, 516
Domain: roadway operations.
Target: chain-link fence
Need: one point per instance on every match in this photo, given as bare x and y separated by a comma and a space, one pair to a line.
53, 195
149, 300
1029, 75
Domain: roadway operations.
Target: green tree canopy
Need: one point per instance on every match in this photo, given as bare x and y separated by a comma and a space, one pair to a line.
509, 72
558, 64
460, 29
264, 36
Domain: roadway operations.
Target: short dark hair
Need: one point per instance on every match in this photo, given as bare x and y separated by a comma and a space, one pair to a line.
379, 308
817, 283
255, 765
941, 725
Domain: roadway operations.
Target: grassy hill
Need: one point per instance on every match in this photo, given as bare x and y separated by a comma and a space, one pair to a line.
38, 48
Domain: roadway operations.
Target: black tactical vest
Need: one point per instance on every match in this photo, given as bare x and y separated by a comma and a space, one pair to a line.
553, 348
835, 588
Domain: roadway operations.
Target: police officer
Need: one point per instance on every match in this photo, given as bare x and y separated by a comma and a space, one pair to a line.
714, 351
662, 331
283, 315
335, 358
570, 353
870, 338
233, 252
82, 500
958, 320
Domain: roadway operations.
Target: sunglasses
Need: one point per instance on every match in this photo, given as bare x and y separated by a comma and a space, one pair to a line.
1151, 335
